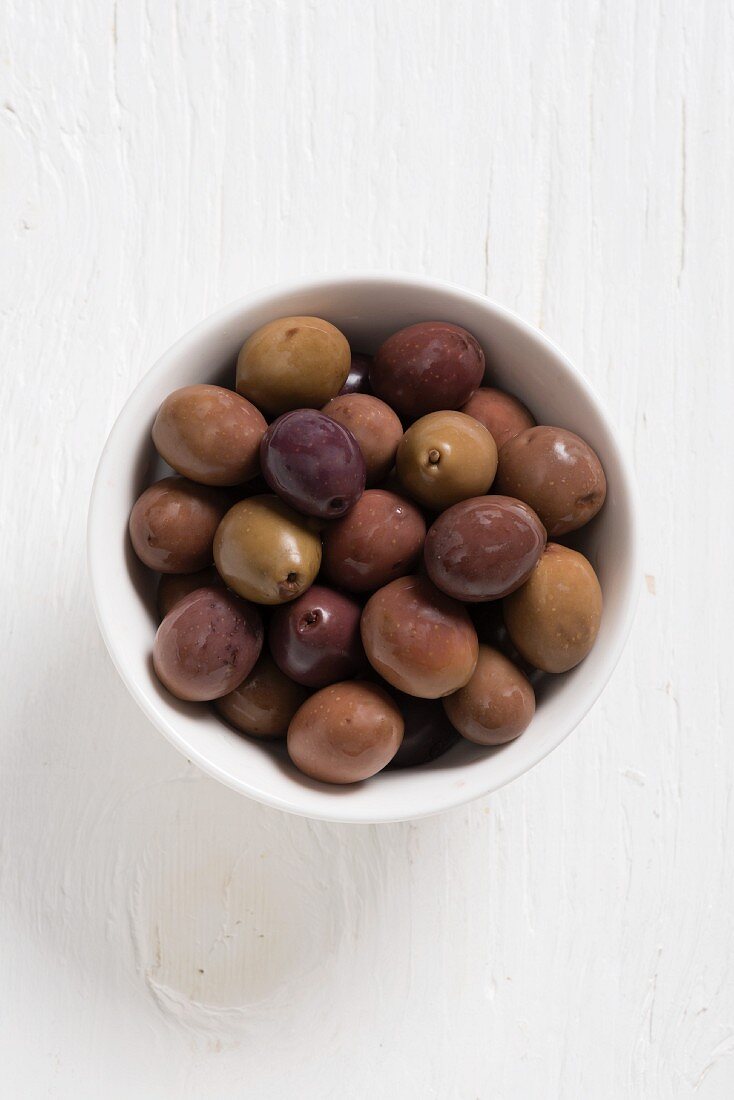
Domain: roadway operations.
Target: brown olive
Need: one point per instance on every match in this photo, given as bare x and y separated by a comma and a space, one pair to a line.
556, 473
496, 705
264, 703
172, 525
419, 640
483, 548
446, 457
554, 618
345, 732
210, 435
172, 587
379, 539
501, 413
374, 425
293, 363
207, 644
265, 551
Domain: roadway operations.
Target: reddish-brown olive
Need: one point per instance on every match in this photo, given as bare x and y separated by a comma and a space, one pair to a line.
496, 705
426, 367
503, 415
207, 644
556, 473
483, 548
374, 425
419, 640
264, 703
172, 525
345, 732
379, 540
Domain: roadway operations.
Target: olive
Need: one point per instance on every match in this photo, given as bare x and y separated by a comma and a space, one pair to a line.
210, 434
265, 551
503, 416
427, 734
172, 587
501, 413
172, 525
313, 463
483, 548
496, 705
374, 425
554, 618
292, 363
358, 379
379, 540
426, 367
315, 640
345, 733
446, 457
207, 644
556, 473
264, 703
419, 640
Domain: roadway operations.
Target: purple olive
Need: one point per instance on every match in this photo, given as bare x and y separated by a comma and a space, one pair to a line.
316, 640
358, 379
428, 734
313, 463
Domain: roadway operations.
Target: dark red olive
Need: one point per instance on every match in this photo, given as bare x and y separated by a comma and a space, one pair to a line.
428, 733
358, 379
426, 368
315, 640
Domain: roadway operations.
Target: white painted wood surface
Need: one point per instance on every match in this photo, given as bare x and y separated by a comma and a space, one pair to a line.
570, 937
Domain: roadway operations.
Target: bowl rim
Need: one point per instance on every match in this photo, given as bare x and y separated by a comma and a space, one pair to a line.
336, 811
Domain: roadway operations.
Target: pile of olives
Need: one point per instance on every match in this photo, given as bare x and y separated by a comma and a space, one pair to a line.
354, 551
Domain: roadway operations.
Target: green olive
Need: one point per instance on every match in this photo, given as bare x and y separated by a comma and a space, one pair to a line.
446, 457
265, 551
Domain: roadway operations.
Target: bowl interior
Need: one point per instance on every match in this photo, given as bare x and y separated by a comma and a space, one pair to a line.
367, 309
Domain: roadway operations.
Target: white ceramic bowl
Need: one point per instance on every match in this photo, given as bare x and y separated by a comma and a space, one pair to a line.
367, 308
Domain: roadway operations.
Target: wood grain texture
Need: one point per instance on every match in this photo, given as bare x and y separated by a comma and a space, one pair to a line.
569, 937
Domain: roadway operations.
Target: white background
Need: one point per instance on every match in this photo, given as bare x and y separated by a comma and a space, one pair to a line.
569, 937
